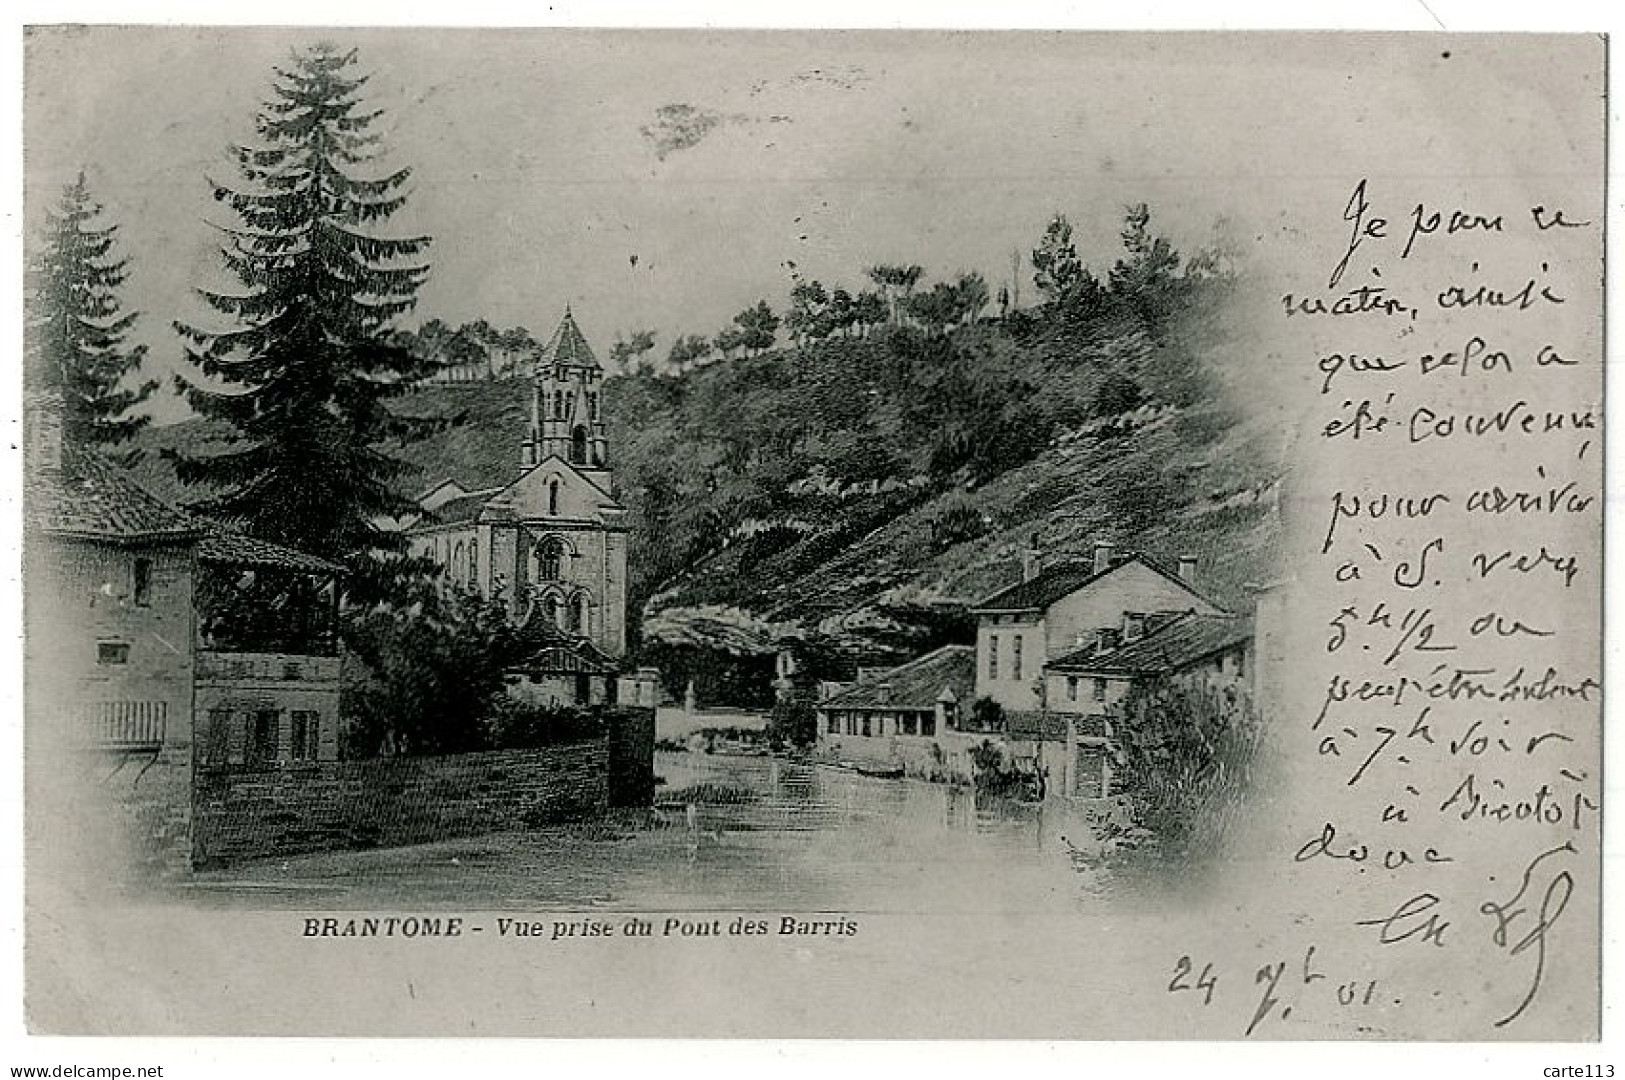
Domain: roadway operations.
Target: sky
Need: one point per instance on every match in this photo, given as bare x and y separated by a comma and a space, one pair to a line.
546, 176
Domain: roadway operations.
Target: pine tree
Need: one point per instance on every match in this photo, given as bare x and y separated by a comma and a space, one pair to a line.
76, 329
304, 376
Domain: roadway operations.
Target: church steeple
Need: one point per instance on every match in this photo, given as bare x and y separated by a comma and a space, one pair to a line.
566, 407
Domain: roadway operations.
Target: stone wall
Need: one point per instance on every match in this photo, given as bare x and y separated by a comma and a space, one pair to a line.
386, 802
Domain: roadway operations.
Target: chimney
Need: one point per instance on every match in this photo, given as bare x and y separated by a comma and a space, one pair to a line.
1187, 569
1032, 560
1103, 556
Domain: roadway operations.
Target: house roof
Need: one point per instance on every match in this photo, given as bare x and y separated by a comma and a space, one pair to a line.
90, 497
228, 547
1178, 643
1062, 580
568, 346
918, 684
458, 509
557, 652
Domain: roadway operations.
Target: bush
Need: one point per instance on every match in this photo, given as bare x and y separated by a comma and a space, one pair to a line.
512, 724
994, 776
426, 676
1187, 754
792, 724
959, 520
1116, 394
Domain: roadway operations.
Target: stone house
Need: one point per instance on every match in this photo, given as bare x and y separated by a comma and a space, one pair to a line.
158, 646
1086, 688
1055, 610
914, 716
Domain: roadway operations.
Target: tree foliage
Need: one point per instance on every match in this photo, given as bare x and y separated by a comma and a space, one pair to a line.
628, 352
1186, 752
77, 331
1057, 270
687, 349
303, 374
1147, 274
754, 330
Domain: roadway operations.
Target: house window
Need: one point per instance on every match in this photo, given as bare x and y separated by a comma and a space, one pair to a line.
262, 737
578, 614
1015, 658
851, 723
992, 656
1241, 663
1100, 689
833, 725
141, 583
112, 652
928, 721
217, 738
866, 719
908, 725
305, 735
1072, 688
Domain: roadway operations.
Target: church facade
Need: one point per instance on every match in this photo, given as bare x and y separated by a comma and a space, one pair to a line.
551, 544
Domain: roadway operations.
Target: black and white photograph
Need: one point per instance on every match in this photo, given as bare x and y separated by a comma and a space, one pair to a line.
839, 534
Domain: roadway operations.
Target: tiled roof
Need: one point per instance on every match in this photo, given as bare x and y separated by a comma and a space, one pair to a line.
457, 510
228, 547
915, 685
93, 498
1057, 582
568, 346
1177, 644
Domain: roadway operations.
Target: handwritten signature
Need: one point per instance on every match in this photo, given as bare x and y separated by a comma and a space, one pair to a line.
1512, 918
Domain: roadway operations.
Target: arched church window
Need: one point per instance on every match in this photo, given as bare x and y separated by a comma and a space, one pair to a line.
558, 404
550, 559
457, 561
578, 614
578, 446
473, 566
552, 496
592, 404
555, 610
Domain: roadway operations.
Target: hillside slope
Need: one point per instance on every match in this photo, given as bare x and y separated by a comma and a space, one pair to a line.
869, 489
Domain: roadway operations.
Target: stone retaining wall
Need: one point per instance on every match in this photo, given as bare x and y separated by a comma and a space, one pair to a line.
387, 802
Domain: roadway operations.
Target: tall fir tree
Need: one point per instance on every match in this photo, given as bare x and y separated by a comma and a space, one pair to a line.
77, 332
304, 376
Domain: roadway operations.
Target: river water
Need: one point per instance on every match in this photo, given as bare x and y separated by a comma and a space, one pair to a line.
801, 838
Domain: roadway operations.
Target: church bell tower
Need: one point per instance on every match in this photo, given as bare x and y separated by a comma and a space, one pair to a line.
566, 406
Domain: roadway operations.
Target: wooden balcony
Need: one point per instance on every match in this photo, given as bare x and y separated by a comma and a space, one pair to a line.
126, 726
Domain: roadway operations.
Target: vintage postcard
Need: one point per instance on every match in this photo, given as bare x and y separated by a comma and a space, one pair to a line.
813, 534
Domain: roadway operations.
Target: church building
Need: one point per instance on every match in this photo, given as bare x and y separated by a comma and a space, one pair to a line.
552, 542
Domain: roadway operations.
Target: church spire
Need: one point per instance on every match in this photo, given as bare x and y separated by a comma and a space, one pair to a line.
566, 415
